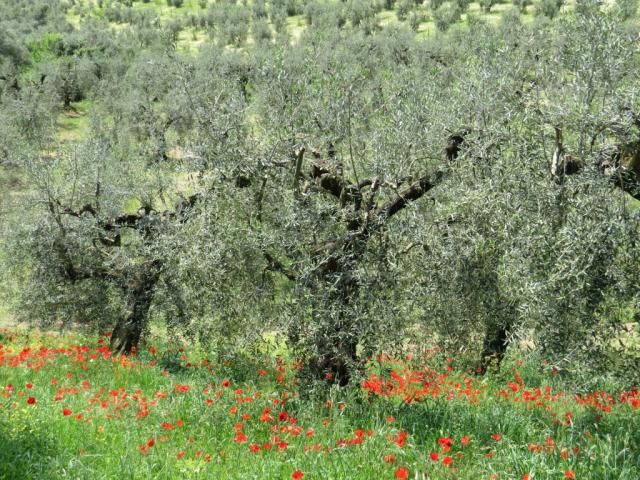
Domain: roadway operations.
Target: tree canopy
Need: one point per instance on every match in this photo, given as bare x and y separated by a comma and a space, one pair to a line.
355, 190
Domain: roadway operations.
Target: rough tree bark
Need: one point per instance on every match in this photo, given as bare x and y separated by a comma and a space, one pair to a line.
139, 296
494, 347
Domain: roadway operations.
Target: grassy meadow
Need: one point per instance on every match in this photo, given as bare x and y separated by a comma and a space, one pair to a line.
68, 409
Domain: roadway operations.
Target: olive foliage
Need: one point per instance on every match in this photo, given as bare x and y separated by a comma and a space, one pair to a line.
355, 191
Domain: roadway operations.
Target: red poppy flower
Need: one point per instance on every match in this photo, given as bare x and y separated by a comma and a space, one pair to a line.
31, 400
465, 440
66, 412
445, 441
151, 442
180, 454
434, 456
569, 474
254, 448
402, 473
297, 475
447, 460
497, 437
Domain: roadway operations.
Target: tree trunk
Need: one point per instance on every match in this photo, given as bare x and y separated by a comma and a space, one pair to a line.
66, 101
495, 345
337, 348
126, 334
337, 259
500, 315
336, 364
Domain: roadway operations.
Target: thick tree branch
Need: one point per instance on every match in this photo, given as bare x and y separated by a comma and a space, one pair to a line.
297, 174
276, 266
628, 181
76, 273
88, 208
411, 193
331, 254
621, 165
183, 207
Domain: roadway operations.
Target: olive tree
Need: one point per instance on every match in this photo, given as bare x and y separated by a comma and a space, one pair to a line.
343, 171
549, 157
97, 240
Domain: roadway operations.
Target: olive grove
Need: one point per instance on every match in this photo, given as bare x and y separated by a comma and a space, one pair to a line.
355, 191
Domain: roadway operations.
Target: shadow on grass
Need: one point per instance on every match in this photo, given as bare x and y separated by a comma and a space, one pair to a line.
456, 419
25, 454
431, 419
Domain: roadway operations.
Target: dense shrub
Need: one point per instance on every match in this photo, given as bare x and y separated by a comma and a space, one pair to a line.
628, 8
445, 15
403, 7
549, 8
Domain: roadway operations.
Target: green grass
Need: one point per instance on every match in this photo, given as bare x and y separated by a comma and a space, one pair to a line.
196, 415
73, 126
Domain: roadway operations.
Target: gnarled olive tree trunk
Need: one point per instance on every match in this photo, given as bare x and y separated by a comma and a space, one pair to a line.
139, 296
